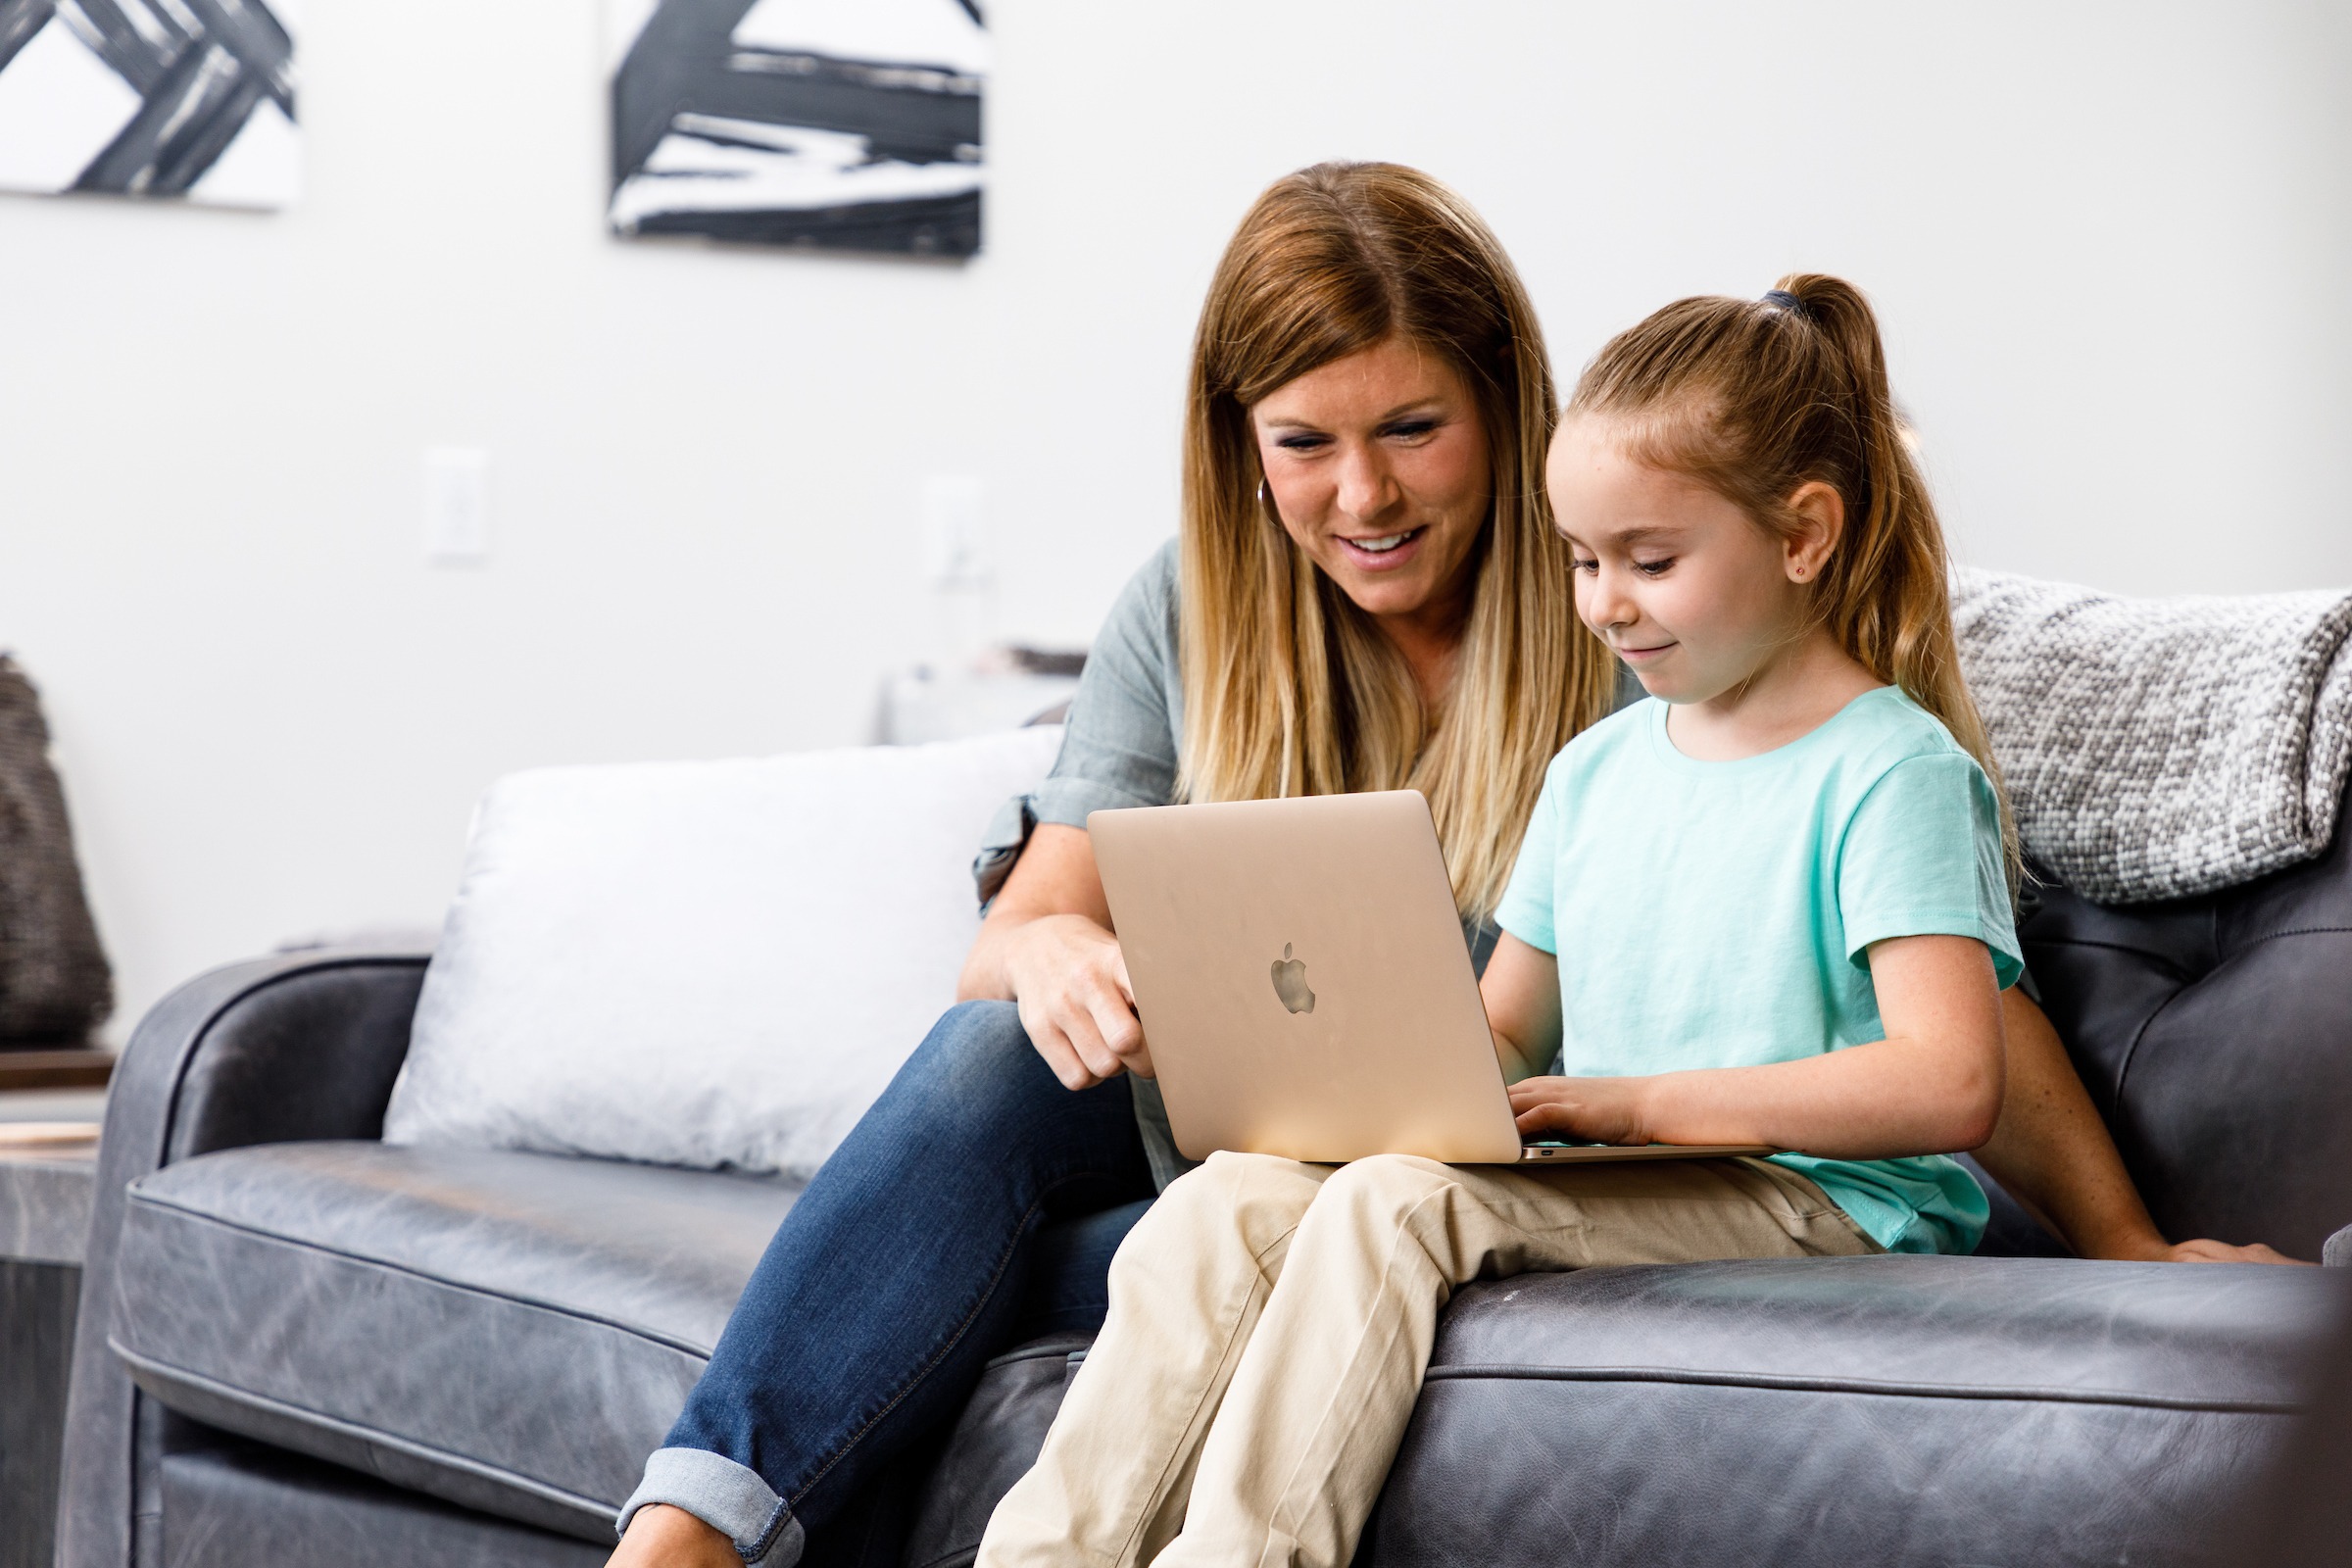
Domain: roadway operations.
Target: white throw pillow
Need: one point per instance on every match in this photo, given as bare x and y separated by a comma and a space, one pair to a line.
715, 964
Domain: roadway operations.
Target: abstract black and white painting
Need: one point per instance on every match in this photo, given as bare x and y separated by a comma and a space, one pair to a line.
179, 98
852, 125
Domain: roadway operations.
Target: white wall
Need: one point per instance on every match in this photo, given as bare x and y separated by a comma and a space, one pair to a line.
2113, 243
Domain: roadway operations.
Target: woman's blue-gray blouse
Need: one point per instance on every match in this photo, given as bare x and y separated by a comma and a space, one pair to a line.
1119, 749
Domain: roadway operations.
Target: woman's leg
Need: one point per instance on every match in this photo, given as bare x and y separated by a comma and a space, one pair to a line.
893, 1279
1186, 1290
1320, 1400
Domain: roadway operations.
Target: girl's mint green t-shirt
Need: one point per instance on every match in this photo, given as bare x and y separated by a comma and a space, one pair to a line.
1718, 915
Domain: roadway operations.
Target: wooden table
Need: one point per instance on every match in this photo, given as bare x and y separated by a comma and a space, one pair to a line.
45, 1192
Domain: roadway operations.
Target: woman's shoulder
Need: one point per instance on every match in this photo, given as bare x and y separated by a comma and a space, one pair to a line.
1143, 615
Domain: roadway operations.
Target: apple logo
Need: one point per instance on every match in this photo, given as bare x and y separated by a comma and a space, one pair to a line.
1290, 982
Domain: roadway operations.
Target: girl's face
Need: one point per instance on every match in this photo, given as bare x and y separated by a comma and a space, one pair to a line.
1681, 585
1378, 466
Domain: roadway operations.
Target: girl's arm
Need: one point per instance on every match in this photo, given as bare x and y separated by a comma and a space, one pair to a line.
1933, 1085
2052, 1153
1521, 989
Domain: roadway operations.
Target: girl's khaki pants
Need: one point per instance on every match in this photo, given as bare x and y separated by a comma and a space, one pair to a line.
1270, 1322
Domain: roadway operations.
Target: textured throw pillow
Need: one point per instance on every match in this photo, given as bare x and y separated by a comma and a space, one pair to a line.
713, 964
55, 986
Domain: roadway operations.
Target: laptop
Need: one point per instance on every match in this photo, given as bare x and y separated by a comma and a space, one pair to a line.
1304, 987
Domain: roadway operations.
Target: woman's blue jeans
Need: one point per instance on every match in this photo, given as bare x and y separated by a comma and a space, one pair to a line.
919, 1250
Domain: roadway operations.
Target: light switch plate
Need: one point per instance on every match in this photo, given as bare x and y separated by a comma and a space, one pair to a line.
457, 506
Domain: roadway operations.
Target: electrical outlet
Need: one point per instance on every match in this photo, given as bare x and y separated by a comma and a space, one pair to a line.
954, 532
457, 506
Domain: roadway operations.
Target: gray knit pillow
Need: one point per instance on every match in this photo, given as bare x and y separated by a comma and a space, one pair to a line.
55, 986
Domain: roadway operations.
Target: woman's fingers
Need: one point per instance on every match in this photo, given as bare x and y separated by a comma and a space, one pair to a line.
1064, 1057
1130, 1044
1077, 1023
1054, 1047
2203, 1250
1122, 1033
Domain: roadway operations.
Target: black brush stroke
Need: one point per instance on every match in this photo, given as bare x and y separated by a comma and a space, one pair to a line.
182, 129
127, 52
258, 40
251, 34
20, 20
931, 225
684, 62
197, 90
657, 79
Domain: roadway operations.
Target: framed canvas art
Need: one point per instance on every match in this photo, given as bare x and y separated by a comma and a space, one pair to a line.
188, 99
849, 124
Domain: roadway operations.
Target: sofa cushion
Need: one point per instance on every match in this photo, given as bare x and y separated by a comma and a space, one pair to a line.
2214, 1035
229, 1503
717, 964
512, 1332
1817, 1412
1838, 1412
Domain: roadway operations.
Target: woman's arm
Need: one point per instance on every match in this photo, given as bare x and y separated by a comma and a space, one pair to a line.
1933, 1084
1046, 944
2052, 1153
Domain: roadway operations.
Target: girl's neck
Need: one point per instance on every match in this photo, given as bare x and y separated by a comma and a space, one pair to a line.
1787, 696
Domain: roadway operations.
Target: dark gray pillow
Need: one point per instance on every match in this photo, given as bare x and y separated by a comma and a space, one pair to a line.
55, 986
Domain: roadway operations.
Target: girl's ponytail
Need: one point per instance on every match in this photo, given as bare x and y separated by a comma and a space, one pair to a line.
1755, 398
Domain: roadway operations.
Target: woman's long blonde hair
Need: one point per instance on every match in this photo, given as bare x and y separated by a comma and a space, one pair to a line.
1288, 688
1755, 398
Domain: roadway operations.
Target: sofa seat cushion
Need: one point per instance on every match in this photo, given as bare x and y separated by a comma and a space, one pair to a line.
512, 1332
1839, 1411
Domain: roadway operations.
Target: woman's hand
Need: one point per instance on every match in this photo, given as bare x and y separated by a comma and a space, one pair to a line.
1070, 980
2205, 1251
2052, 1153
1047, 944
1581, 1111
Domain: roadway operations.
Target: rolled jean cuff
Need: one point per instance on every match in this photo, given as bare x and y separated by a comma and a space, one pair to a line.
726, 1497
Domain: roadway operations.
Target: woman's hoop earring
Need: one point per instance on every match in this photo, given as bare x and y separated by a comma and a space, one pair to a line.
1265, 505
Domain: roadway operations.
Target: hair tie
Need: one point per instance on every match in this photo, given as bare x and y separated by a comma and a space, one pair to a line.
1787, 302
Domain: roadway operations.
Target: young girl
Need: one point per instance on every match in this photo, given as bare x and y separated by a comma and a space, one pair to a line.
1770, 906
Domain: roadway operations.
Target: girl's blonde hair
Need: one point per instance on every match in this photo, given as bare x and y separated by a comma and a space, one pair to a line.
1288, 688
1754, 398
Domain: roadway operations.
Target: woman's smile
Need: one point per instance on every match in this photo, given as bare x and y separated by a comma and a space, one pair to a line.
1384, 552
1375, 465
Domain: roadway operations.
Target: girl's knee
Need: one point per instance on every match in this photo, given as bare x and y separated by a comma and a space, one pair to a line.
1247, 1200
1387, 1184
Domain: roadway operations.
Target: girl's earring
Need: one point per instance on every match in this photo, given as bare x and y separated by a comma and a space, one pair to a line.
1265, 505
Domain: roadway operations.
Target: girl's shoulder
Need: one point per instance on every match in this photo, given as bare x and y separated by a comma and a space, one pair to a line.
1886, 726
1595, 748
1629, 723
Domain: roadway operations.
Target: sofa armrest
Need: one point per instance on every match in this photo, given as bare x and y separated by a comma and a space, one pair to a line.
279, 1049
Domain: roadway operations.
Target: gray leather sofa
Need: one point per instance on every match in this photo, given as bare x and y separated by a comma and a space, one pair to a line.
300, 1345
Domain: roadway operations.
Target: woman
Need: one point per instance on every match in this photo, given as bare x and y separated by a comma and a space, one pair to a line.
1372, 598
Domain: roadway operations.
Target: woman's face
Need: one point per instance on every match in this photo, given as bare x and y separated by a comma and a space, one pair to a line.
1378, 466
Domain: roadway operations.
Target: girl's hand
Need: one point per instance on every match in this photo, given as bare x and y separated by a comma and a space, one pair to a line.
1581, 1111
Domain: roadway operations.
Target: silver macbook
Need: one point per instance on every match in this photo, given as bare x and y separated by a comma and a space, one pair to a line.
1304, 987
